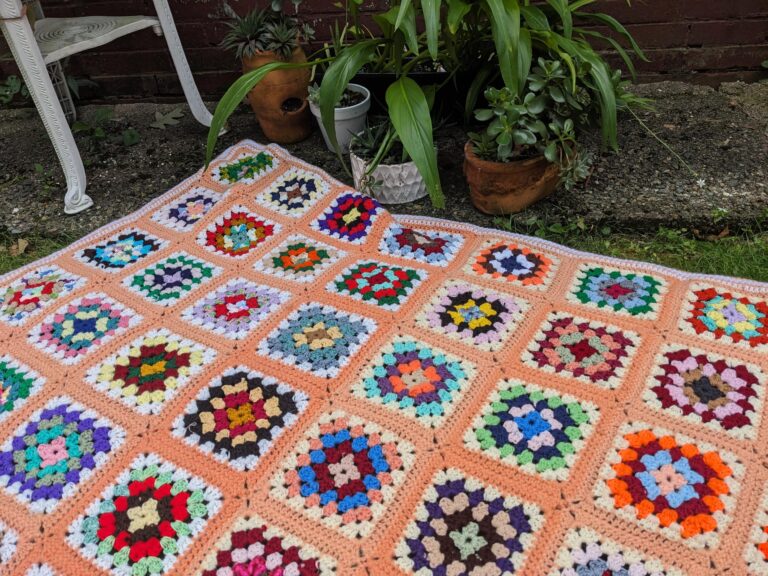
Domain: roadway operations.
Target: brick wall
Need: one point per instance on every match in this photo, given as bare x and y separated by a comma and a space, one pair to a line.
704, 41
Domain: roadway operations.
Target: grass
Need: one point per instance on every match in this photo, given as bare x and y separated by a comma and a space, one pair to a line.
37, 248
744, 255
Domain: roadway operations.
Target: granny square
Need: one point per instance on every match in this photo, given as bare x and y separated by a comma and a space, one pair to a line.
246, 168
383, 285
234, 310
348, 218
465, 527
670, 484
173, 278
512, 263
726, 316
584, 349
121, 250
239, 416
184, 213
318, 339
294, 192
299, 259
149, 371
434, 247
586, 552
34, 291
146, 519
415, 379
54, 452
723, 394
539, 431
253, 546
344, 473
81, 327
621, 291
472, 314
18, 382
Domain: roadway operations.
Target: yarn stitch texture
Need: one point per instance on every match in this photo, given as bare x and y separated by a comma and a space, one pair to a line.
263, 372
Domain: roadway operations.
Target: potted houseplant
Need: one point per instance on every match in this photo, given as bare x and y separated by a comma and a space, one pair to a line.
279, 101
493, 41
382, 168
528, 144
350, 113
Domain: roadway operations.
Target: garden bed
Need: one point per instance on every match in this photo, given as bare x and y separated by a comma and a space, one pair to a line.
722, 134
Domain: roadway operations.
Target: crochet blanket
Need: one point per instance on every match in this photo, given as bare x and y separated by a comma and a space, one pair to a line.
263, 372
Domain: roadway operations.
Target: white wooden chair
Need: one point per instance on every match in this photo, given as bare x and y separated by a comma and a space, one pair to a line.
55, 38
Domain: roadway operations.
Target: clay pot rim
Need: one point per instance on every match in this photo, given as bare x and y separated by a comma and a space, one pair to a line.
470, 155
271, 54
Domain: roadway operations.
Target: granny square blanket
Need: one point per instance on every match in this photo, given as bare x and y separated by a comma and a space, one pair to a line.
264, 373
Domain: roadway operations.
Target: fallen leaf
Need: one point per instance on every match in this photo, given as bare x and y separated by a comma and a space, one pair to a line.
162, 121
19, 247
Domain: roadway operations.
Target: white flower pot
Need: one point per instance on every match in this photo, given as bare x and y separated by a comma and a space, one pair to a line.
388, 183
349, 121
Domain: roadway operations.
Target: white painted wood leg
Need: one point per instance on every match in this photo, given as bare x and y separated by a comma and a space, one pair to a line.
21, 40
199, 111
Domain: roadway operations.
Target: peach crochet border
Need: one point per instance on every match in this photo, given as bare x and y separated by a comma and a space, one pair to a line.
567, 511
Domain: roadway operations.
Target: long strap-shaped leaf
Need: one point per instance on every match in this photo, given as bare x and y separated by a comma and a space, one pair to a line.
336, 79
431, 10
505, 27
562, 9
235, 94
457, 9
409, 113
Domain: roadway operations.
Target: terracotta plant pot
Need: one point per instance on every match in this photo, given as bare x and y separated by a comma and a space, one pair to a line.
281, 97
287, 125
508, 187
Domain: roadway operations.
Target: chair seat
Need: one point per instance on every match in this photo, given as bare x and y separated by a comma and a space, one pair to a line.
62, 37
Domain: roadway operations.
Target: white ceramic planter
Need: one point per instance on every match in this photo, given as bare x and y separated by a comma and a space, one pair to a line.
349, 121
389, 183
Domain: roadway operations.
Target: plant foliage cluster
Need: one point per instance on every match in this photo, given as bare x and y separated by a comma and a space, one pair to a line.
537, 65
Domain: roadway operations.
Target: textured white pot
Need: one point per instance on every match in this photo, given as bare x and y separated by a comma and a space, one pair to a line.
389, 183
349, 121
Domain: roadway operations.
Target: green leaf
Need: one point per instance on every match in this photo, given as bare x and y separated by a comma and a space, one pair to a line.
131, 137
617, 27
237, 92
404, 20
564, 11
409, 113
401, 13
431, 11
457, 9
535, 17
336, 80
478, 84
505, 27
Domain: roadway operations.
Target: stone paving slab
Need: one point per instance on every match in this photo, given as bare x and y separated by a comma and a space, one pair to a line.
722, 134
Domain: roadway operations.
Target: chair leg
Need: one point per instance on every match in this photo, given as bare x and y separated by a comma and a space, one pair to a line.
199, 111
21, 40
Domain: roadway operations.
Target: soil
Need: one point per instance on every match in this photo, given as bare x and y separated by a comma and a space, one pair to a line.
351, 98
722, 134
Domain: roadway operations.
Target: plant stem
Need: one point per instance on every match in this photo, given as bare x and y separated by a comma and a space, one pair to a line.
663, 143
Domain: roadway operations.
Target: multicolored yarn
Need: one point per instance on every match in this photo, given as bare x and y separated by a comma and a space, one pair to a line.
34, 291
121, 251
264, 373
